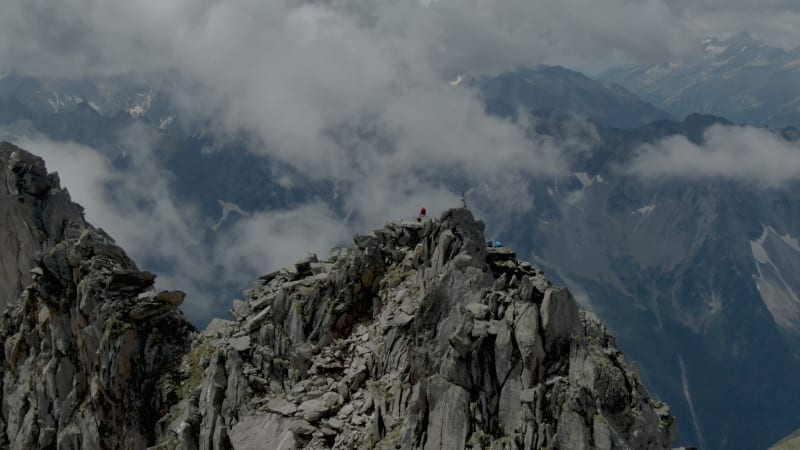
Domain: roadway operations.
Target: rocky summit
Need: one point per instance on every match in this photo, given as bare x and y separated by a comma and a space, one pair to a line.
416, 337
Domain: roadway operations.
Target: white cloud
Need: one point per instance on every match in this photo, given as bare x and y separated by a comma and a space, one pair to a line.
325, 43
774, 22
741, 153
73, 36
273, 239
338, 88
351, 92
136, 208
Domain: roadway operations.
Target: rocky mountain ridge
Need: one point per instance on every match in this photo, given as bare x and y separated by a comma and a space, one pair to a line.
555, 90
417, 337
739, 78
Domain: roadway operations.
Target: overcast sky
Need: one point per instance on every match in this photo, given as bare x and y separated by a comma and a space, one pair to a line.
353, 92
75, 37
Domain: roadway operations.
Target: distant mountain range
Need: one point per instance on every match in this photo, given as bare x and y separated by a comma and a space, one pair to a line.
698, 279
109, 96
549, 89
688, 274
418, 336
739, 78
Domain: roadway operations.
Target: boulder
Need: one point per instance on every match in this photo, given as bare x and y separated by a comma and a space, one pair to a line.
281, 406
261, 432
448, 420
315, 409
174, 298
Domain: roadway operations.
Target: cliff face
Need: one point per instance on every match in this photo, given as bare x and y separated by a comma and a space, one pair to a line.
87, 341
417, 337
27, 195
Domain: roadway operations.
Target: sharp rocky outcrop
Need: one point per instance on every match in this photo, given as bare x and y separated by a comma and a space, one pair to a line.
416, 337
87, 341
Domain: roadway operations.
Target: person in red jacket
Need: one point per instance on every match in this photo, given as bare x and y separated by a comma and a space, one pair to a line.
422, 213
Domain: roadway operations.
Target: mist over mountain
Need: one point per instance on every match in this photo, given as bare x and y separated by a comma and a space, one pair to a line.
689, 261
217, 140
416, 336
108, 96
553, 89
692, 272
738, 78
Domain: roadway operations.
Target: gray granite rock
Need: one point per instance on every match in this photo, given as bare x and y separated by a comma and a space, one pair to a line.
441, 347
417, 337
84, 350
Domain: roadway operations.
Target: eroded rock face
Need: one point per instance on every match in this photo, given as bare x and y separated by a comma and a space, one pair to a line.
415, 338
87, 342
27, 192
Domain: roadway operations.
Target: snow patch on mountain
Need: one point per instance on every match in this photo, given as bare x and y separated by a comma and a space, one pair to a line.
227, 209
57, 102
645, 210
166, 122
688, 396
142, 104
777, 262
61, 102
584, 178
587, 180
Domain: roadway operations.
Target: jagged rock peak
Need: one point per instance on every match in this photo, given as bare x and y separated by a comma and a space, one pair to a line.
86, 340
27, 194
417, 337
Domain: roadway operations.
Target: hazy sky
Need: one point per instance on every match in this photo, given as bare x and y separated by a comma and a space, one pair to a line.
355, 92
75, 37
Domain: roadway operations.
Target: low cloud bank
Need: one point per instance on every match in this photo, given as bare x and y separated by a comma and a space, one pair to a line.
747, 154
137, 208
